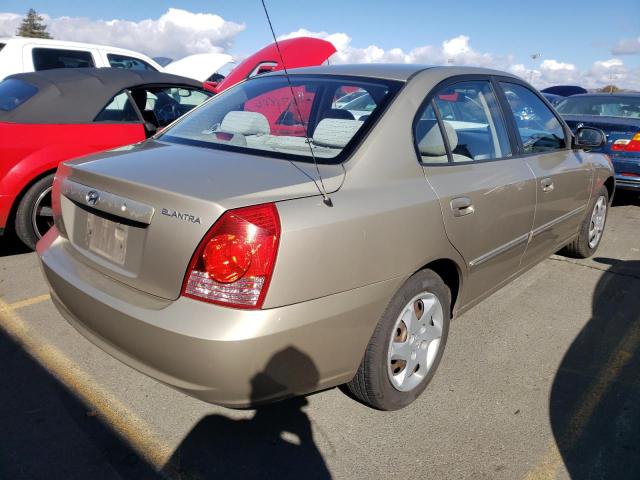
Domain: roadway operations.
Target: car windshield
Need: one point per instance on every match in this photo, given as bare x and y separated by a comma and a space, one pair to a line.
609, 106
263, 116
14, 93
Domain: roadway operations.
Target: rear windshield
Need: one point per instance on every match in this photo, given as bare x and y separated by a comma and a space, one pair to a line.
263, 116
14, 93
609, 106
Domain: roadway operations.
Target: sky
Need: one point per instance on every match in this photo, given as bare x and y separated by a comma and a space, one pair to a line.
578, 42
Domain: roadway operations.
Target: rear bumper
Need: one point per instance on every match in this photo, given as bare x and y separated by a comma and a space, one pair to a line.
235, 358
627, 172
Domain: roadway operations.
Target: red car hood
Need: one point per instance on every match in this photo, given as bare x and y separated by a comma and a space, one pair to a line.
296, 52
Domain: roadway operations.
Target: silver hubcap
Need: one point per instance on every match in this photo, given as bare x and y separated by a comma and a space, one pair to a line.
42, 214
415, 341
598, 217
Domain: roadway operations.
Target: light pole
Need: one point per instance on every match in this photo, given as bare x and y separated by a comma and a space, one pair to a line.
534, 57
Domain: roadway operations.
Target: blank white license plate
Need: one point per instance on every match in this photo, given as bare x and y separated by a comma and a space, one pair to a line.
108, 239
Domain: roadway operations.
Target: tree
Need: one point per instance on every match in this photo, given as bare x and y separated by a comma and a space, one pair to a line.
32, 26
610, 89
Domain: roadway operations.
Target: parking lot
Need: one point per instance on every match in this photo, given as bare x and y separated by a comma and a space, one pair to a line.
540, 381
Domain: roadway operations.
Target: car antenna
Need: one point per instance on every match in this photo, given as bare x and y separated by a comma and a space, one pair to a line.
321, 188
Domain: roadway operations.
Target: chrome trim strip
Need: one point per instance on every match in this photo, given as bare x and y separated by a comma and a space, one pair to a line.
107, 202
527, 237
560, 219
498, 251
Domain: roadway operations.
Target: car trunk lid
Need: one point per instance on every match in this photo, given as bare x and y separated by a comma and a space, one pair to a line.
138, 213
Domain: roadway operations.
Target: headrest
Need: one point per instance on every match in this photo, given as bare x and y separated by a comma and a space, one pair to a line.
432, 143
335, 133
245, 123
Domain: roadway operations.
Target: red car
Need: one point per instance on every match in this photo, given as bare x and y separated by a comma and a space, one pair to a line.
296, 52
50, 116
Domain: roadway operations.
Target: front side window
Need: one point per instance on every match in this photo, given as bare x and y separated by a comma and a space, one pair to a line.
128, 63
163, 105
49, 58
472, 120
265, 115
608, 106
119, 109
539, 129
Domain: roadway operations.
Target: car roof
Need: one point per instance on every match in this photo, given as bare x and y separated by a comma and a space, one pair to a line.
388, 71
77, 95
66, 43
607, 95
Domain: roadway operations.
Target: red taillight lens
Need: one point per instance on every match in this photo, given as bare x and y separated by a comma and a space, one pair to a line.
234, 262
627, 145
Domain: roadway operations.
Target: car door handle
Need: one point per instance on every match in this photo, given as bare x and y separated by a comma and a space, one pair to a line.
547, 185
462, 206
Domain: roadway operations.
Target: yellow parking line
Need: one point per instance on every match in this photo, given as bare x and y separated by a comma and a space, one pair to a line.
548, 467
30, 301
113, 412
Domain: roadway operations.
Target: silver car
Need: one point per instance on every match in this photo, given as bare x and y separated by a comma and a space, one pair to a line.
268, 245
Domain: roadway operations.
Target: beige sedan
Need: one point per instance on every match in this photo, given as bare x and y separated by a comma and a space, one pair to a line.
271, 244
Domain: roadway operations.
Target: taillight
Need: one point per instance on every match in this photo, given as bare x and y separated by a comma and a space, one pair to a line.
233, 264
627, 144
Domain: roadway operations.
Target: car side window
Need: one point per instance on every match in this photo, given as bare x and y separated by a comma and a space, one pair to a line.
472, 120
128, 63
539, 129
119, 109
49, 58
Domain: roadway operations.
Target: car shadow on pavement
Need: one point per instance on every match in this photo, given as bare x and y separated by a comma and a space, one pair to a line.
277, 442
11, 245
48, 433
595, 398
626, 197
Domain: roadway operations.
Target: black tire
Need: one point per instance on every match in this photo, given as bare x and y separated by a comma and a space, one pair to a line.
579, 247
371, 384
24, 214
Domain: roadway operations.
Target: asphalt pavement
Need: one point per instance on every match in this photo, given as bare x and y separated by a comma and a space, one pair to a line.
540, 381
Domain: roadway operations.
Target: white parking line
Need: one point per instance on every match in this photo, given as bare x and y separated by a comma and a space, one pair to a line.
135, 431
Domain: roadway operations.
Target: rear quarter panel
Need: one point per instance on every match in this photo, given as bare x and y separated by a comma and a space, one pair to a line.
385, 223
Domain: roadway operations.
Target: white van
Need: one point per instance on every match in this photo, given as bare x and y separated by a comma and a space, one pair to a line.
20, 54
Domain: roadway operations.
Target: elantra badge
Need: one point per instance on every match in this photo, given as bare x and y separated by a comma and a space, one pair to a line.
92, 197
180, 216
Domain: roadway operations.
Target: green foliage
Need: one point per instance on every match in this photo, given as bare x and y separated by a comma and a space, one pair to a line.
32, 26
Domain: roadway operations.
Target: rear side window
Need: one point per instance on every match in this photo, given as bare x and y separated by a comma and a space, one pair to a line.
119, 109
14, 93
48, 58
539, 129
128, 63
472, 120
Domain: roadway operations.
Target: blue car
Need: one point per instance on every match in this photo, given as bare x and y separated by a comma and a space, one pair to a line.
618, 115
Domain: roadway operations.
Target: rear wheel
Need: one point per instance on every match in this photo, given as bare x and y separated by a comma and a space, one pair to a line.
592, 228
407, 344
34, 216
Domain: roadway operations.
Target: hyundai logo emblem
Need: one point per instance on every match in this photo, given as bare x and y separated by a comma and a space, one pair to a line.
92, 197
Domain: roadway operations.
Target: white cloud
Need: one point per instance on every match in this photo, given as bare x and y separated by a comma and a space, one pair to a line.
175, 33
628, 46
459, 51
456, 50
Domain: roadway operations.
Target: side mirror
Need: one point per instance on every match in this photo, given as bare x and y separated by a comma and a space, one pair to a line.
589, 137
